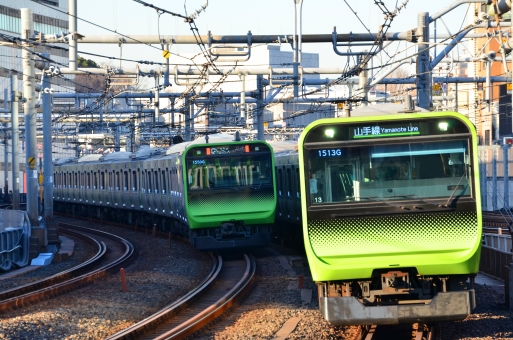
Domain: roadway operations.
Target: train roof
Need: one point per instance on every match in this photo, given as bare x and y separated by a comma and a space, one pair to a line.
90, 158
284, 146
214, 138
383, 109
144, 153
116, 156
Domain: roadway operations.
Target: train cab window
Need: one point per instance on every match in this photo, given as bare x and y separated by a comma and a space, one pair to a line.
409, 171
134, 181
164, 188
102, 180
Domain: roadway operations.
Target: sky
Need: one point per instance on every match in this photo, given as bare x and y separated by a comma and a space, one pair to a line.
237, 17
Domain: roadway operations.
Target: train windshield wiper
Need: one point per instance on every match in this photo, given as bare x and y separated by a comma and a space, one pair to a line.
456, 187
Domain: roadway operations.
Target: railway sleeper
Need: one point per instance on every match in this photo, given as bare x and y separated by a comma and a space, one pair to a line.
398, 296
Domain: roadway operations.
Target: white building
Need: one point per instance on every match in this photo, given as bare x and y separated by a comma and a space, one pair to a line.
50, 18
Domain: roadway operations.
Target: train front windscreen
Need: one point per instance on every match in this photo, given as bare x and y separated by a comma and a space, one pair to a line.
423, 161
229, 167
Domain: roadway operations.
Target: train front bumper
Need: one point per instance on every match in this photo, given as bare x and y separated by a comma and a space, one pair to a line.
348, 311
261, 239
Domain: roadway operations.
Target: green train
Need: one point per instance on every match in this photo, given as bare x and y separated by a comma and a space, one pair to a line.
390, 213
219, 193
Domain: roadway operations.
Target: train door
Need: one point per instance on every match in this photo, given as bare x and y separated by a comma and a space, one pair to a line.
125, 187
164, 198
103, 186
150, 192
340, 182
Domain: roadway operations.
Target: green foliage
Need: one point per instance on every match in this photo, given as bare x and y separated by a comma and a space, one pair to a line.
83, 62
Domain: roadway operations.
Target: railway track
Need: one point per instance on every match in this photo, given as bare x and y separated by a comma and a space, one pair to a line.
496, 223
228, 280
112, 252
416, 331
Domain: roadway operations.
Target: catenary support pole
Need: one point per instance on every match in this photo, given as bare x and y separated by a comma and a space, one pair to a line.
29, 94
47, 152
505, 157
15, 97
494, 179
258, 113
243, 97
6, 160
423, 72
72, 18
484, 186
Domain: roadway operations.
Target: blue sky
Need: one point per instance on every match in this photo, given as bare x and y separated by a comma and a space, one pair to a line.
231, 17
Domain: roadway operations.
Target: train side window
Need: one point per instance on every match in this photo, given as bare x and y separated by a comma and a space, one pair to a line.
171, 180
95, 178
148, 176
143, 180
88, 180
164, 182
102, 180
134, 180
298, 191
118, 181
75, 180
289, 182
156, 176
125, 180
280, 181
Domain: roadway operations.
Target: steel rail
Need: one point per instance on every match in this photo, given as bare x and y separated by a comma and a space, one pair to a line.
168, 315
71, 278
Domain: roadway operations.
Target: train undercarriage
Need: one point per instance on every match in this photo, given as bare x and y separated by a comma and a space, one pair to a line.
233, 234
397, 296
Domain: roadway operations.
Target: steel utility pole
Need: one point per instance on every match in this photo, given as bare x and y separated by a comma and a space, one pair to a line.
47, 151
423, 64
29, 94
15, 97
297, 46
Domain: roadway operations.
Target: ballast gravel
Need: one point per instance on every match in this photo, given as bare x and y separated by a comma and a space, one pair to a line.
276, 308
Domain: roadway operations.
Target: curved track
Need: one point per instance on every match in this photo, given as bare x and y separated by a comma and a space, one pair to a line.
228, 280
120, 253
496, 223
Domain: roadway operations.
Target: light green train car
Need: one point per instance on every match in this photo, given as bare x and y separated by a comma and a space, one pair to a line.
391, 216
230, 194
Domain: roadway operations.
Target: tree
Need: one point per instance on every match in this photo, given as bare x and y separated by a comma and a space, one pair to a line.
396, 89
83, 62
89, 83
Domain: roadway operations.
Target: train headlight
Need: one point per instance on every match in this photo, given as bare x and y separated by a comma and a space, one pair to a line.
329, 133
443, 126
